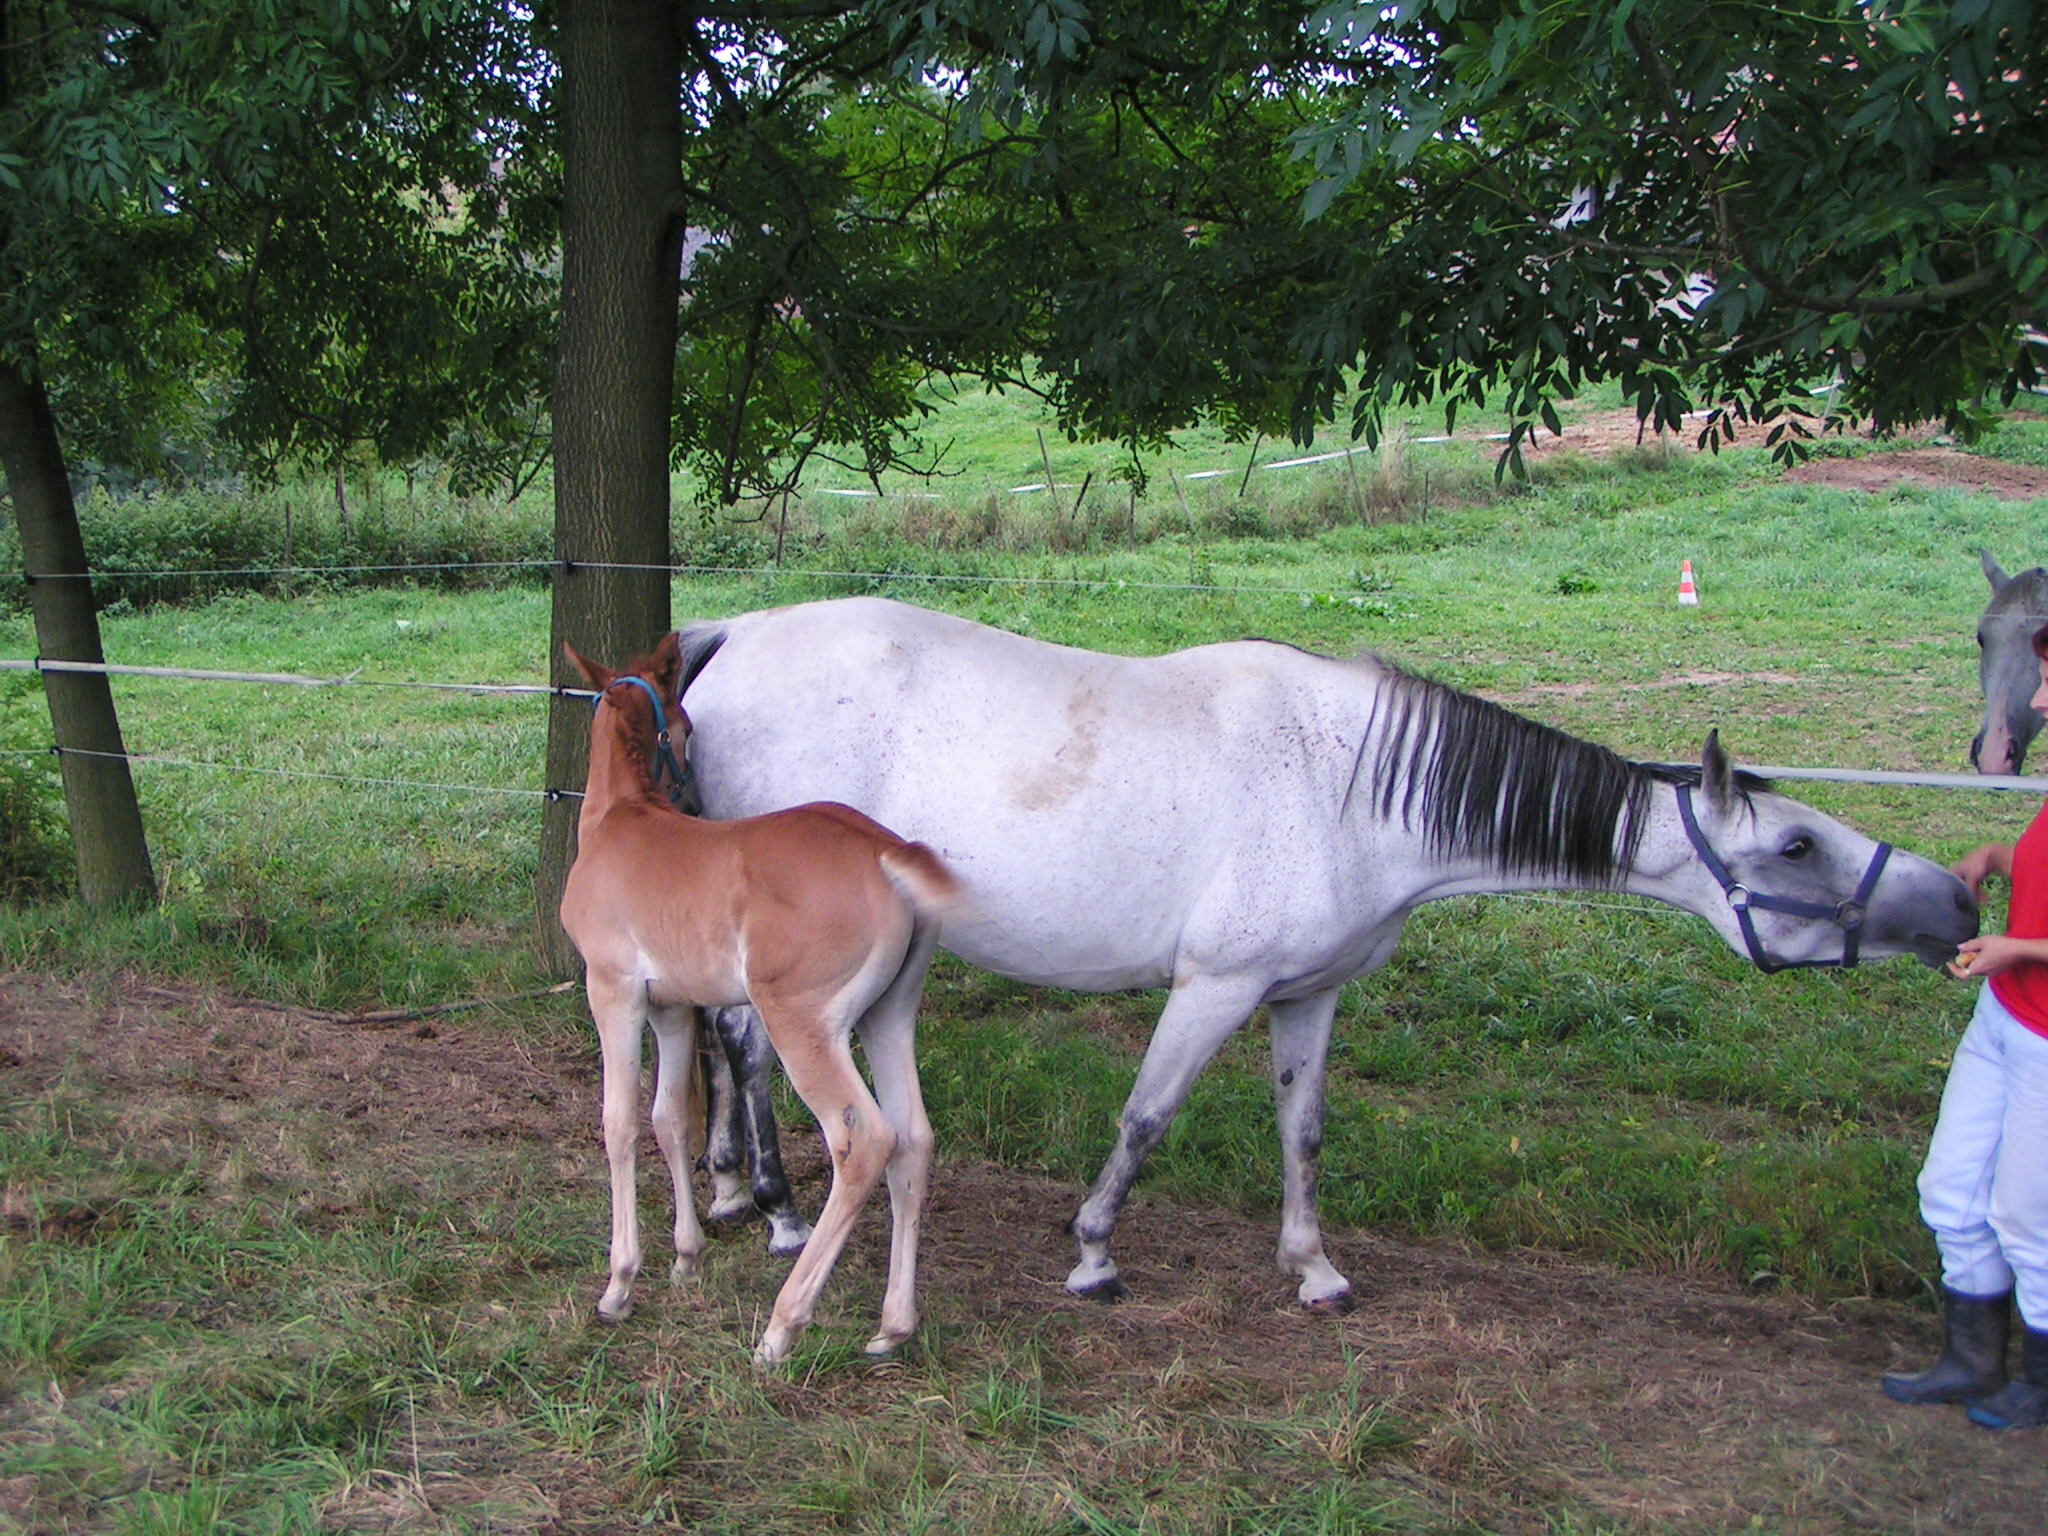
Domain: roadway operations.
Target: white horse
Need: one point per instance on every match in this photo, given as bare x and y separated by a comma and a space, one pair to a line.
1247, 823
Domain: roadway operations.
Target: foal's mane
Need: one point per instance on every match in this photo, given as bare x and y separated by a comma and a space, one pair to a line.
1481, 780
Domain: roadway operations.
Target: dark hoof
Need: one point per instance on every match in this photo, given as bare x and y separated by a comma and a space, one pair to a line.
1343, 1304
1109, 1292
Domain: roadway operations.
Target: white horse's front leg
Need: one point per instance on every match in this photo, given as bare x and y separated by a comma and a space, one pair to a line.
724, 1144
1199, 1017
619, 1011
675, 1039
1301, 1049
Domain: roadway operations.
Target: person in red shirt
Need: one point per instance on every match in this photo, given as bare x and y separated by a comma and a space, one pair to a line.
1984, 1188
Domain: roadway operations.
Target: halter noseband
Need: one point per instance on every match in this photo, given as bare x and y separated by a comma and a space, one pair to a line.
1848, 915
664, 747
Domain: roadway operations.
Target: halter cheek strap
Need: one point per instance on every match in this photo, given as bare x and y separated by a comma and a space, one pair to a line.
1847, 915
664, 746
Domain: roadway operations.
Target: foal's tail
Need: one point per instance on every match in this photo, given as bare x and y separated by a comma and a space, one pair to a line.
922, 877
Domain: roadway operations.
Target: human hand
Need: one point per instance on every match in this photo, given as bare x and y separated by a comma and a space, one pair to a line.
1990, 953
1980, 864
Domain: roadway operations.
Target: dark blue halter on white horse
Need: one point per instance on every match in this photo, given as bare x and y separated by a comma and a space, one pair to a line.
1250, 824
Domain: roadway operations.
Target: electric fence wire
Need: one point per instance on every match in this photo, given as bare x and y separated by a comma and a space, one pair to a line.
2007, 783
747, 572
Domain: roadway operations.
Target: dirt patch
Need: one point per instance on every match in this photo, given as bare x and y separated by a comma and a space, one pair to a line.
1877, 472
1530, 1383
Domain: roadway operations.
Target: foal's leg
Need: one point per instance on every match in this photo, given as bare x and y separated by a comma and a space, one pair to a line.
752, 1058
1199, 1017
619, 1011
1301, 1048
816, 1054
724, 1146
675, 1039
888, 1037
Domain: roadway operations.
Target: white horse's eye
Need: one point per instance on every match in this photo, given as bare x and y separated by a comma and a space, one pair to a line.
1798, 848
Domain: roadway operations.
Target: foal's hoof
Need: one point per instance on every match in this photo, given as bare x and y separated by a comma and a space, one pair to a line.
883, 1349
611, 1319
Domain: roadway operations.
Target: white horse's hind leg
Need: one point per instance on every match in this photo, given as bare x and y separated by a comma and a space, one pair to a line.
620, 1014
1199, 1017
675, 1039
1301, 1048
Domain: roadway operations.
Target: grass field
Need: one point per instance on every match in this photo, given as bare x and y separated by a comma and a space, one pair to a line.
204, 1326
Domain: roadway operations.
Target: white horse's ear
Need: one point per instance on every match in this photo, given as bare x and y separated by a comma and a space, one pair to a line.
668, 661
1717, 774
1993, 573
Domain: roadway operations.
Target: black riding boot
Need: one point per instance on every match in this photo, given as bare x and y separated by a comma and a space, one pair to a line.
1972, 1362
2021, 1403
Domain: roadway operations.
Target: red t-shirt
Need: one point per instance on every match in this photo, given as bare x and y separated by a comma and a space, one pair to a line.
2024, 988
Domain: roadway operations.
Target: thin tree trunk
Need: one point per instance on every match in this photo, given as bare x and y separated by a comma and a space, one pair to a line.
621, 119
99, 792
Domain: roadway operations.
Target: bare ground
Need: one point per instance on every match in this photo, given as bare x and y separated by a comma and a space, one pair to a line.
1879, 471
1531, 1383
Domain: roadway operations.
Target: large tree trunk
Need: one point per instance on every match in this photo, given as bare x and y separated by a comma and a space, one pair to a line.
621, 124
99, 792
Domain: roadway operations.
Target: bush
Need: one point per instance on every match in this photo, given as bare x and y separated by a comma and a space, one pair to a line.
250, 534
35, 853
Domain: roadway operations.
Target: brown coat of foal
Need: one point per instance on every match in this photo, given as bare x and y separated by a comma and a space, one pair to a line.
822, 919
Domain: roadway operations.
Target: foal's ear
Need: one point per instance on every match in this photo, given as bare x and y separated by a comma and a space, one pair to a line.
1717, 774
1993, 572
594, 673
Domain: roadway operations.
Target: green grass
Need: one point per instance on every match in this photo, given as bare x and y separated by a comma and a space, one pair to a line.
1582, 1034
1597, 1078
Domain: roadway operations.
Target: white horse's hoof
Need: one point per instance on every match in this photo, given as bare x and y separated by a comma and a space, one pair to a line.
730, 1213
685, 1271
787, 1239
1097, 1280
1334, 1304
609, 1311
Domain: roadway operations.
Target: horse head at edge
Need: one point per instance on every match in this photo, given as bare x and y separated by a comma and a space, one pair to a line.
2006, 667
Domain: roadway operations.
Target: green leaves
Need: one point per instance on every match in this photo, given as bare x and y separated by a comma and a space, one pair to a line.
286, 205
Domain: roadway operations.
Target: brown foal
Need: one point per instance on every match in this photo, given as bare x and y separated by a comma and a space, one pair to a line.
819, 917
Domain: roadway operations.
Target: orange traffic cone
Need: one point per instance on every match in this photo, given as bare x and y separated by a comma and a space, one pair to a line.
1688, 594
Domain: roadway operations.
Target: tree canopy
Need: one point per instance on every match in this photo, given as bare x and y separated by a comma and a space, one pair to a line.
313, 226
1156, 213
1722, 204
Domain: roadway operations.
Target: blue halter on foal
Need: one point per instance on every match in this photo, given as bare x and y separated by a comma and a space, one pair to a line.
1847, 915
681, 786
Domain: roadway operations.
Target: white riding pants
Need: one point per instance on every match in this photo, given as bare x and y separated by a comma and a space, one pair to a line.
1984, 1189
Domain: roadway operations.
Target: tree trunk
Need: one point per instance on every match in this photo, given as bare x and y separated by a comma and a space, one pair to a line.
99, 792
621, 125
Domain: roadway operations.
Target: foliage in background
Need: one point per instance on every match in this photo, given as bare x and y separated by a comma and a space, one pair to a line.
1719, 204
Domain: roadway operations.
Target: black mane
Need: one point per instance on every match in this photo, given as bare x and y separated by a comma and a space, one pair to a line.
1480, 780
